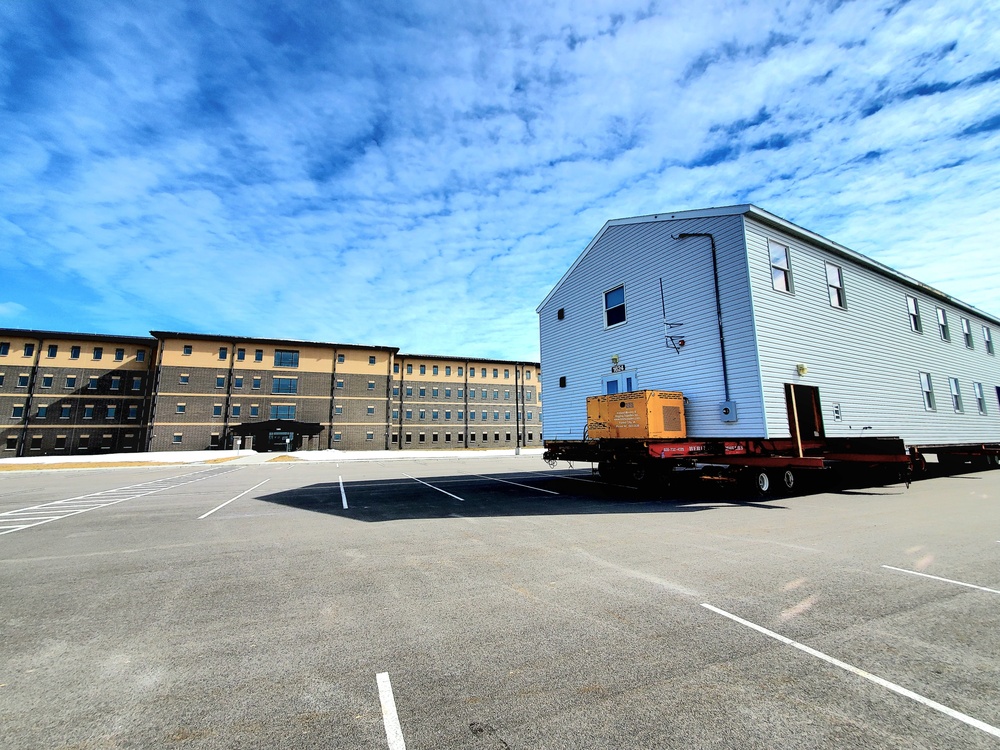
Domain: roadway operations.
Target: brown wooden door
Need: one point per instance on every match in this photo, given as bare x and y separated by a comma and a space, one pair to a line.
809, 425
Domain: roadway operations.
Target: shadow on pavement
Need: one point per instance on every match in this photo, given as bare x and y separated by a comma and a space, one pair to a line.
517, 494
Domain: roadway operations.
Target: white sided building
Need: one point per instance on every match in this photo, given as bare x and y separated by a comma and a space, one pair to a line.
743, 311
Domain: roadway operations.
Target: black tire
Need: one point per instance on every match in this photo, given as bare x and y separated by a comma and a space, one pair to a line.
789, 481
758, 482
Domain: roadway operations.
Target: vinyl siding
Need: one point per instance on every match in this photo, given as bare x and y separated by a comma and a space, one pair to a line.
639, 254
865, 357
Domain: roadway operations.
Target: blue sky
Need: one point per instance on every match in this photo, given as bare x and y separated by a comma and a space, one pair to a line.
421, 174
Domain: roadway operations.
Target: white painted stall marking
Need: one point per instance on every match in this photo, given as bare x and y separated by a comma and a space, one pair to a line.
938, 578
965, 718
36, 515
206, 515
461, 500
393, 732
343, 495
516, 484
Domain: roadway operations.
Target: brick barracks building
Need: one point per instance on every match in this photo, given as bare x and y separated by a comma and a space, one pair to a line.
74, 394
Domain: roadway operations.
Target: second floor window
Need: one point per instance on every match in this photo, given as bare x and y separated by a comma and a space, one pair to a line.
285, 385
614, 308
286, 358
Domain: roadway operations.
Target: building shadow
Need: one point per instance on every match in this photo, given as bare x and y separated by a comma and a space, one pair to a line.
497, 495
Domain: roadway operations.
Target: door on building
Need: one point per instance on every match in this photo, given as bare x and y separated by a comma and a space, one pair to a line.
279, 441
619, 382
805, 419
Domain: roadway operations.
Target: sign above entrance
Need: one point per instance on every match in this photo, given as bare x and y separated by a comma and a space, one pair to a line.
617, 368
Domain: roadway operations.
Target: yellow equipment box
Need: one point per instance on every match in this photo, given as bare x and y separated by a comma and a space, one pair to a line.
655, 415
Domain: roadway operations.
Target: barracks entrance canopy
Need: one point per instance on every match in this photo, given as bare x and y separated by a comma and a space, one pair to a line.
277, 434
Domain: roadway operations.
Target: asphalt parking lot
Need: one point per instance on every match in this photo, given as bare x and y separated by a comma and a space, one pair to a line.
491, 604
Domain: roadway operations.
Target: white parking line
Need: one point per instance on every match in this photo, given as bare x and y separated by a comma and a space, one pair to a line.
938, 578
229, 501
965, 718
516, 484
393, 732
461, 500
343, 495
73, 506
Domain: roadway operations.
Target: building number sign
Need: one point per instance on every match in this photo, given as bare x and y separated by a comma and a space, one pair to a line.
617, 368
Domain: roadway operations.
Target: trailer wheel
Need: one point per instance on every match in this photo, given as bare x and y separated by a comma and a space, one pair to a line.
788, 480
759, 482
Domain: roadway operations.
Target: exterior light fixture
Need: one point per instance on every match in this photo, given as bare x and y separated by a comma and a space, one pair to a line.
801, 369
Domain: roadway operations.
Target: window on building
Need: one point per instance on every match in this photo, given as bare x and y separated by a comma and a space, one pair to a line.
527, 374
111, 412
484, 416
447, 414
216, 410
484, 393
461, 393
496, 372
36, 443
236, 409
213, 440
258, 355
186, 350
496, 416
395, 368
371, 385
92, 383
395, 390
184, 378
472, 415
47, 381
434, 437
371, 409
409, 390
434, 392
285, 385
178, 438
29, 350
238, 381
434, 370
956, 394
988, 339
967, 333
460, 415
395, 413
914, 312
283, 411
220, 381
60, 443
496, 395
71, 381
447, 370
340, 382
17, 411
434, 414
64, 411
472, 437
140, 355
472, 372
409, 369
371, 359
340, 359
483, 371
286, 358
447, 392
52, 351
506, 395
181, 408
409, 437
254, 410
506, 416
496, 437
98, 352
88, 411
241, 354
460, 372
942, 317
977, 388
409, 413
422, 414
422, 437
74, 352
529, 415
423, 392
835, 285
781, 270
4, 348
928, 390
119, 355
116, 383
255, 382
42, 411
133, 411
